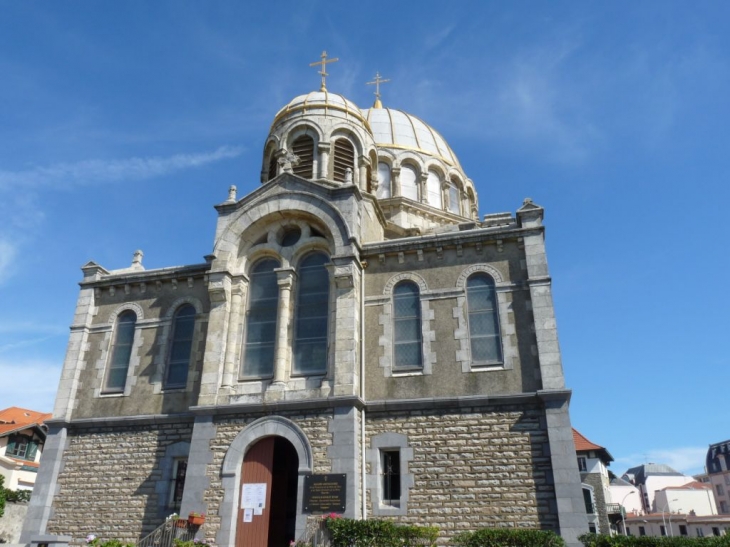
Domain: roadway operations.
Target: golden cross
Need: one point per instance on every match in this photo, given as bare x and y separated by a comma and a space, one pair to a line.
377, 81
322, 72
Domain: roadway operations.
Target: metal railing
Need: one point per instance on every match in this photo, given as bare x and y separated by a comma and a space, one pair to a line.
170, 530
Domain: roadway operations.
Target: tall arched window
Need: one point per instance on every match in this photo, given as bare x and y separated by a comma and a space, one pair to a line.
486, 345
383, 181
303, 148
407, 337
409, 183
312, 314
343, 158
263, 303
121, 352
181, 345
454, 198
433, 186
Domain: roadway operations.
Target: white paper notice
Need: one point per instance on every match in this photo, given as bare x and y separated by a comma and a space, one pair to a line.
253, 495
258, 511
247, 515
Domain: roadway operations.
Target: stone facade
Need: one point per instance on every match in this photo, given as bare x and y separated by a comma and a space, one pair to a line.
323, 368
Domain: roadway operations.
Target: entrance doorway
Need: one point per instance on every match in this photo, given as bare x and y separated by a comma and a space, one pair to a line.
272, 462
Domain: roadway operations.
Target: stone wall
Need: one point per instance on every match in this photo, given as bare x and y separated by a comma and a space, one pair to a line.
12, 521
107, 485
596, 481
474, 468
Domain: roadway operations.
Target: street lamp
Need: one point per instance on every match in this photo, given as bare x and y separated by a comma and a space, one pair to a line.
664, 520
623, 511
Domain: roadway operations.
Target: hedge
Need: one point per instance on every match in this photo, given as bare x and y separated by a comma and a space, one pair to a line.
602, 540
508, 537
381, 533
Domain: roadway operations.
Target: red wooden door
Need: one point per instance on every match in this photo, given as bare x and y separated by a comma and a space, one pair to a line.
257, 466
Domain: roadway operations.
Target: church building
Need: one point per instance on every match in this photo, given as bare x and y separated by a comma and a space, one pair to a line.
359, 341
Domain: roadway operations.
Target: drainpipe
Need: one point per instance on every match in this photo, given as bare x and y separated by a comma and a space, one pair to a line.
362, 393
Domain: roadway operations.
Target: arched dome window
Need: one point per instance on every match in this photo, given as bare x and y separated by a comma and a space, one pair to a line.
344, 158
433, 187
454, 198
260, 340
383, 181
409, 182
272, 165
484, 331
303, 148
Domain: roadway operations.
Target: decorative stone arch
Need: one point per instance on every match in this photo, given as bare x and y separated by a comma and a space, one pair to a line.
410, 159
165, 329
345, 130
249, 260
299, 128
437, 166
411, 276
133, 306
428, 335
231, 241
269, 426
508, 339
490, 270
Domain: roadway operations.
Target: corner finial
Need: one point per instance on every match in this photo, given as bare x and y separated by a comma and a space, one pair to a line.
377, 81
322, 72
137, 260
232, 192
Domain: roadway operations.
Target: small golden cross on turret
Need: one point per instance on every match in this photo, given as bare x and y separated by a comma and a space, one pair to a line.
377, 81
322, 72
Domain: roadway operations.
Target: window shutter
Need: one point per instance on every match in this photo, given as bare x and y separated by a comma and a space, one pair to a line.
303, 148
344, 157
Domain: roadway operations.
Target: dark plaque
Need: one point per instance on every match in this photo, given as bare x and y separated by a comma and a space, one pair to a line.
325, 493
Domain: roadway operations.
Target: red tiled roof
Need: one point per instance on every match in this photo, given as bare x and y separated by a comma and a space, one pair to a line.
15, 418
694, 485
581, 443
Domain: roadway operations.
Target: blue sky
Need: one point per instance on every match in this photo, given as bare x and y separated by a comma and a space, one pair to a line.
123, 123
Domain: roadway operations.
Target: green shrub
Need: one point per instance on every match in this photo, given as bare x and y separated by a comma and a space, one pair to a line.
378, 533
508, 537
602, 540
2, 495
17, 496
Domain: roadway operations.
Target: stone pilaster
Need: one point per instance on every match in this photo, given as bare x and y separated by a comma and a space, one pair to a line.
566, 478
239, 289
347, 275
285, 279
324, 154
219, 290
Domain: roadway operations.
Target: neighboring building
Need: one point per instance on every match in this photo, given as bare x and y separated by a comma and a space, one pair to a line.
669, 524
649, 478
626, 494
694, 497
22, 434
717, 469
355, 318
593, 462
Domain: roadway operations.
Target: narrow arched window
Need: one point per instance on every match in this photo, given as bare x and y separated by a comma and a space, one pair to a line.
383, 181
409, 183
407, 326
121, 352
433, 187
344, 158
263, 303
486, 345
312, 314
303, 148
454, 198
181, 345
273, 164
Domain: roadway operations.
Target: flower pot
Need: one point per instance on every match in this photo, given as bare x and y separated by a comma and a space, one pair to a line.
180, 523
196, 520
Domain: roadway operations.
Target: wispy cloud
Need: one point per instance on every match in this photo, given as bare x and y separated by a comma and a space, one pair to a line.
99, 171
8, 251
686, 459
